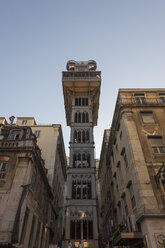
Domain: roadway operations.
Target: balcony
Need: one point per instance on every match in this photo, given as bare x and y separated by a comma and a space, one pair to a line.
138, 101
158, 149
82, 76
16, 143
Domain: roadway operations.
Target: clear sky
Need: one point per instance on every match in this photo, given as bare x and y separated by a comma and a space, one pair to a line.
38, 37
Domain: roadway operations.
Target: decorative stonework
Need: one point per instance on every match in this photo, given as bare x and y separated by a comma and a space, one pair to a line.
81, 176
160, 240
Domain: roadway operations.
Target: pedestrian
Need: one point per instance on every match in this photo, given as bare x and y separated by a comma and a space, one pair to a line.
69, 244
107, 244
80, 245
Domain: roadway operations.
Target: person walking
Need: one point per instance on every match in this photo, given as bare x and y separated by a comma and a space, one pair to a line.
80, 245
69, 244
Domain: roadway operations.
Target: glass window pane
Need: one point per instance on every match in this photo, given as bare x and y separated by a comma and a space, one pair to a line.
72, 229
90, 229
84, 229
78, 229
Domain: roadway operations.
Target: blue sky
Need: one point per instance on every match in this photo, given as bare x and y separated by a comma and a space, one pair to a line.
38, 37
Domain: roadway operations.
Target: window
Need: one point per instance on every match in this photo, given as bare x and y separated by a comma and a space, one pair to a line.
140, 98
75, 136
24, 227
81, 136
130, 187
81, 189
123, 153
73, 229
162, 97
85, 224
81, 117
24, 122
37, 133
81, 229
3, 166
14, 135
147, 117
81, 101
157, 144
81, 160
125, 204
90, 229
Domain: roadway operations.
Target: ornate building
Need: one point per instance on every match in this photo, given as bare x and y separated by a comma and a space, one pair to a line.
81, 87
25, 194
49, 139
133, 171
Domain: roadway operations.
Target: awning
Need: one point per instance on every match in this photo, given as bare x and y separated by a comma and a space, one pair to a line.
130, 238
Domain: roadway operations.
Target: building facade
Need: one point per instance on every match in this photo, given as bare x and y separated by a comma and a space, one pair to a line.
25, 195
104, 186
134, 209
81, 88
50, 141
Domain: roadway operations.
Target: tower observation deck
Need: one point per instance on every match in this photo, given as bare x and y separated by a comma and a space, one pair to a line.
81, 88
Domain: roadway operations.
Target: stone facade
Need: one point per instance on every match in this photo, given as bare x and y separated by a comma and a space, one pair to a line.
50, 141
133, 213
25, 195
81, 86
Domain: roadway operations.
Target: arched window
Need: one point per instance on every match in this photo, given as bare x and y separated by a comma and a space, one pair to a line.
79, 117
87, 118
74, 189
75, 136
81, 189
83, 156
83, 117
79, 103
76, 101
79, 157
87, 136
88, 159
79, 160
83, 136
84, 160
79, 136
75, 118
74, 160
86, 101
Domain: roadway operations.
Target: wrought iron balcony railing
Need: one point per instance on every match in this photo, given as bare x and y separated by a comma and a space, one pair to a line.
141, 101
83, 76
